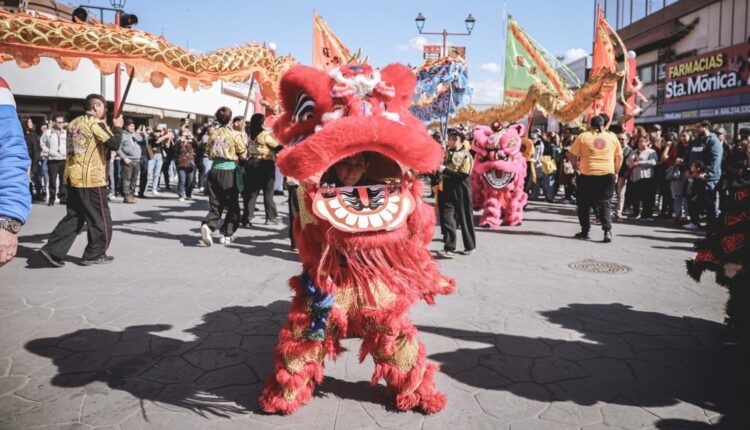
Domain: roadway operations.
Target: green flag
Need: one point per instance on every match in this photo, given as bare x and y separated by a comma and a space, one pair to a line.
526, 64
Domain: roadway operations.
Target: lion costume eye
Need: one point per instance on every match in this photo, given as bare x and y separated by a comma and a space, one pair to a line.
304, 107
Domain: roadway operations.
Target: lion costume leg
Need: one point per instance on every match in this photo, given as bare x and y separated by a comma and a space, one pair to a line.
513, 207
492, 210
298, 358
400, 360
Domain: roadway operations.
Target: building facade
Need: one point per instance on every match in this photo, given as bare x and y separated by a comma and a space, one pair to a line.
693, 58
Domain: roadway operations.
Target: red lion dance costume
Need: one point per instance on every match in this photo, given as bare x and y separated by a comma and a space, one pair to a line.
498, 175
363, 248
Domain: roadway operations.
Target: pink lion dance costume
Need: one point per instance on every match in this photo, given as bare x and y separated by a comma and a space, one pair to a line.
498, 175
363, 248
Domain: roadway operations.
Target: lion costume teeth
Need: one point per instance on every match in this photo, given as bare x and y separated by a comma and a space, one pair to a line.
363, 248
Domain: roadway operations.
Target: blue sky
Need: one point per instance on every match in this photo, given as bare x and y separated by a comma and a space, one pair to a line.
384, 30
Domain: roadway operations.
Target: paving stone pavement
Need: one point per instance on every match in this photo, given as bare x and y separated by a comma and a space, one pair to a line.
177, 336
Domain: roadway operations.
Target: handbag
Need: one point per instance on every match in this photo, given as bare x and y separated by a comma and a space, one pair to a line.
673, 173
548, 165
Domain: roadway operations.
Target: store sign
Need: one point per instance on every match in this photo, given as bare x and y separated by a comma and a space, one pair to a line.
718, 73
432, 52
709, 113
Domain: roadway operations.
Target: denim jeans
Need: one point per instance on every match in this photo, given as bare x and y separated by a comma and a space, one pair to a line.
115, 177
154, 167
709, 200
206, 168
39, 173
45, 173
186, 181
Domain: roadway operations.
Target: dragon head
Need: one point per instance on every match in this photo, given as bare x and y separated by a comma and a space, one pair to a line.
359, 112
498, 154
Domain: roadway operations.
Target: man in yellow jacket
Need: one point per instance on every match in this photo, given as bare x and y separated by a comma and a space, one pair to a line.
89, 142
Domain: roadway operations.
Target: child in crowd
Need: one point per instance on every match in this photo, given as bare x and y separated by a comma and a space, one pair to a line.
695, 190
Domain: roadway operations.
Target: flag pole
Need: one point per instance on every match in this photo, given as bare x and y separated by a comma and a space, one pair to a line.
505, 51
249, 96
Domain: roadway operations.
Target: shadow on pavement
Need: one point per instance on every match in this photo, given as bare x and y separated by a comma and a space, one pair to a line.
220, 372
626, 357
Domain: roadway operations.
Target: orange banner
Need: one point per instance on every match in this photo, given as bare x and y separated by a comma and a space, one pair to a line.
328, 51
603, 63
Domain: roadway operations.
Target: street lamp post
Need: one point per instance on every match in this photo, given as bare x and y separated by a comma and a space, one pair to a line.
121, 19
469, 21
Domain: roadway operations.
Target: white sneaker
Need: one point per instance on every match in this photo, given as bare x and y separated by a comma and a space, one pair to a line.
181, 199
155, 192
206, 235
690, 226
225, 240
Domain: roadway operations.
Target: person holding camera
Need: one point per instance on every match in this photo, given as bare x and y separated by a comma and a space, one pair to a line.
159, 141
184, 156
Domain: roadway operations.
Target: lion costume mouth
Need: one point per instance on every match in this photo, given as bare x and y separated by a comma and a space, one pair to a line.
384, 203
500, 181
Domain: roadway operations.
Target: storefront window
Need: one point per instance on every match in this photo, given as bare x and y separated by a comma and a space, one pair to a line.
646, 74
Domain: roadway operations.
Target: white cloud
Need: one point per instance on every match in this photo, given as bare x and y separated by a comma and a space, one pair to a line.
490, 67
487, 92
415, 43
574, 54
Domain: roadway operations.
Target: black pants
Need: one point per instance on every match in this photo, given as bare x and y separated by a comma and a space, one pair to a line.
695, 206
165, 168
259, 176
595, 192
85, 206
56, 170
223, 194
130, 173
293, 211
644, 194
455, 207
143, 176
665, 191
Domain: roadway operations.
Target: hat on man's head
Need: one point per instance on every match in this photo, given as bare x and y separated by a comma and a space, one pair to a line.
129, 121
656, 127
455, 132
161, 126
720, 130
